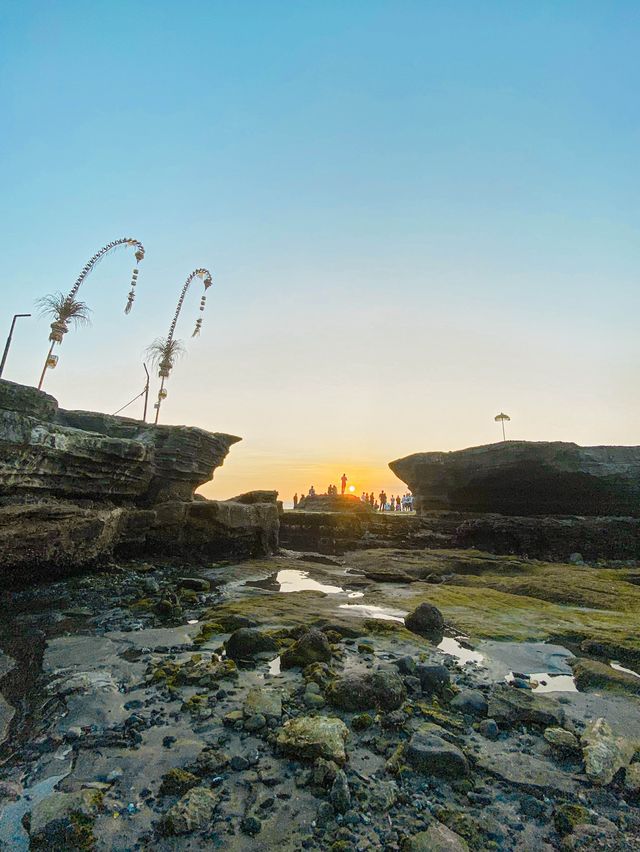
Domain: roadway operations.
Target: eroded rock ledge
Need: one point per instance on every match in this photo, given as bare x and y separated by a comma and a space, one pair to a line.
526, 478
77, 486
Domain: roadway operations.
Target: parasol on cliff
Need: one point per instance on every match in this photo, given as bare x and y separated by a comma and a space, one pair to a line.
501, 418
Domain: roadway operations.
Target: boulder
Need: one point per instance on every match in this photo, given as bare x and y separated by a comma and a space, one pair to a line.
605, 754
434, 679
245, 643
7, 712
510, 706
526, 478
312, 647
429, 754
382, 688
64, 820
426, 620
470, 702
193, 811
561, 741
310, 737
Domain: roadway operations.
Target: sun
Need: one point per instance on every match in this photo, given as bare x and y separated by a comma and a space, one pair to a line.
352, 488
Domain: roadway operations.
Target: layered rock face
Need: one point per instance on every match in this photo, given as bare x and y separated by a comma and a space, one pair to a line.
526, 478
76, 486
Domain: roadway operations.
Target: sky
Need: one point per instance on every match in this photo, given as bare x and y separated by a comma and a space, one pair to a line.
416, 214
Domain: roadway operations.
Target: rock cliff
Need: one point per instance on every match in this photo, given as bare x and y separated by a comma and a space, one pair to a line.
78, 486
526, 478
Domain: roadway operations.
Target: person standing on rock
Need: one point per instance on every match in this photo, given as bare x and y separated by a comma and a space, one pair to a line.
295, 501
398, 501
343, 482
383, 499
372, 500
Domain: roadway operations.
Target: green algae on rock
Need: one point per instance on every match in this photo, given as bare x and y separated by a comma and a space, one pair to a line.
310, 737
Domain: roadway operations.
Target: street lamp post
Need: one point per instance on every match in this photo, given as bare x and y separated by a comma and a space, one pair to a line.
8, 343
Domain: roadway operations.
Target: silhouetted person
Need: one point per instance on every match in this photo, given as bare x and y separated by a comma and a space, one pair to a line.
343, 482
383, 501
372, 499
295, 501
312, 492
398, 501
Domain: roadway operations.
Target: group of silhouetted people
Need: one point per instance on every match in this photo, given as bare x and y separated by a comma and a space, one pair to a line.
383, 503
389, 504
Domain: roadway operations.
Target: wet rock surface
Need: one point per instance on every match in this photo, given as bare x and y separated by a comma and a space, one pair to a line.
133, 728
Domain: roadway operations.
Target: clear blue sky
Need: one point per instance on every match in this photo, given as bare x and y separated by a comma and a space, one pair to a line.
417, 214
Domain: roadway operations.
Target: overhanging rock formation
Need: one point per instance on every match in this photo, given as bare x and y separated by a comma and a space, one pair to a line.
526, 478
77, 486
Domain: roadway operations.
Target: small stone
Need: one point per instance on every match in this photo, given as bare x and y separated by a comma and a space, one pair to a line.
197, 584
470, 702
564, 742
632, 778
239, 763
430, 754
405, 665
362, 721
489, 729
176, 782
255, 723
192, 811
250, 825
325, 814
340, 795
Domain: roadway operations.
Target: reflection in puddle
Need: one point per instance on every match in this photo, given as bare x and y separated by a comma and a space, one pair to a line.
292, 580
463, 655
620, 668
370, 611
274, 666
549, 682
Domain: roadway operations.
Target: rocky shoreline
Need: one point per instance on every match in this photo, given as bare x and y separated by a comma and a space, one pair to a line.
284, 702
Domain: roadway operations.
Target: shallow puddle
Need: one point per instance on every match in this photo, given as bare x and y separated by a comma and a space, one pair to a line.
293, 580
13, 835
462, 655
549, 682
620, 668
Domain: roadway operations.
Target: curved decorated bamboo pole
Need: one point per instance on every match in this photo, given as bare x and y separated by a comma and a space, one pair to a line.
98, 257
59, 326
166, 364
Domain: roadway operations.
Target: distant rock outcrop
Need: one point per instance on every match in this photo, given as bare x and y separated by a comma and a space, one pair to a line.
526, 478
334, 503
77, 486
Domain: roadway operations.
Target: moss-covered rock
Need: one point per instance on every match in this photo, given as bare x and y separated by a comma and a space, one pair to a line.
567, 816
176, 782
592, 674
310, 737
